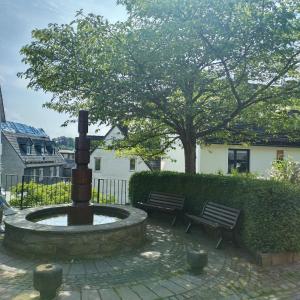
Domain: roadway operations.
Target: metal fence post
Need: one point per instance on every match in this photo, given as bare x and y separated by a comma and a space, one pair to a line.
22, 192
98, 191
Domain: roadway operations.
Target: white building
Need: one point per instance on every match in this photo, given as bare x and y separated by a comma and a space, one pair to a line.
221, 158
111, 173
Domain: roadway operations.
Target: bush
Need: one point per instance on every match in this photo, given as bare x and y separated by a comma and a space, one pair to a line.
270, 219
36, 194
285, 170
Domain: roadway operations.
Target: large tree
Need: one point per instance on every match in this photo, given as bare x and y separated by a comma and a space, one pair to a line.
182, 70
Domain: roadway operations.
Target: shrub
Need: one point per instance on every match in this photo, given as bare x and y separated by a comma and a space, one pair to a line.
36, 194
285, 170
270, 219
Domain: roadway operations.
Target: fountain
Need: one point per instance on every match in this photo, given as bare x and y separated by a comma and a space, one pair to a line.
81, 228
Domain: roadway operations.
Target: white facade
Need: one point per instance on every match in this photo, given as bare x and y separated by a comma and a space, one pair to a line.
213, 159
106, 164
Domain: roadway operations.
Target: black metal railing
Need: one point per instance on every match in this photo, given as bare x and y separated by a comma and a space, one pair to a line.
113, 190
27, 191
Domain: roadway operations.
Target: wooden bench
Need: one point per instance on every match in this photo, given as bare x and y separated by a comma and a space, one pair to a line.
220, 217
169, 203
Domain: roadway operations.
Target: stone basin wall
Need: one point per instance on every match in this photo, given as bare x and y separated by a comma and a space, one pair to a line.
29, 238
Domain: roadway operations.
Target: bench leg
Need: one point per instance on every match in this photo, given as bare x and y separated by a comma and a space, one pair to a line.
188, 227
219, 242
174, 220
220, 239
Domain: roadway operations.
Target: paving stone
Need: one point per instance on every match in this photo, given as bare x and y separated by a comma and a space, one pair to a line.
173, 287
158, 270
126, 293
77, 269
90, 295
108, 294
144, 292
68, 295
159, 290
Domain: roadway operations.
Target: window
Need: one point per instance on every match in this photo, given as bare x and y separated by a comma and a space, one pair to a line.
132, 164
57, 171
43, 149
51, 171
28, 149
280, 155
41, 174
97, 163
238, 159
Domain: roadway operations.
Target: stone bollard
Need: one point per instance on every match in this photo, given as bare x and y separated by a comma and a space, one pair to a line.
197, 259
47, 279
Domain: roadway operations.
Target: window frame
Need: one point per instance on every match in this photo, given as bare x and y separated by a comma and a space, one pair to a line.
40, 174
28, 147
100, 164
130, 169
279, 154
235, 158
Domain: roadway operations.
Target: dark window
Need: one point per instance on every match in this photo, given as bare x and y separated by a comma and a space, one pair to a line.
132, 164
97, 163
238, 159
280, 155
28, 149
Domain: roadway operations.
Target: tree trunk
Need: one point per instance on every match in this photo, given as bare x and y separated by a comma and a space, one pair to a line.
190, 156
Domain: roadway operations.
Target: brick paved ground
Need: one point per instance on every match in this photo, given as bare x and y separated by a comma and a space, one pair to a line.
157, 271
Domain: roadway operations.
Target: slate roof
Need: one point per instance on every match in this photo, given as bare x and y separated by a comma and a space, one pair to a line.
18, 134
258, 138
2, 112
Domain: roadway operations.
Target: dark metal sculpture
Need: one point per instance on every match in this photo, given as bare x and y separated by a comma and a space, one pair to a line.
81, 211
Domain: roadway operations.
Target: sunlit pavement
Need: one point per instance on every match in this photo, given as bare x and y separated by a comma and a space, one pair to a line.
158, 270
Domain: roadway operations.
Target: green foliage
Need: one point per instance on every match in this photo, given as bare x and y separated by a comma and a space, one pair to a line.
64, 142
175, 70
286, 170
270, 219
37, 194
236, 173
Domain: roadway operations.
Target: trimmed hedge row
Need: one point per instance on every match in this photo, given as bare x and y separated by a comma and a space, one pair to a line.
270, 220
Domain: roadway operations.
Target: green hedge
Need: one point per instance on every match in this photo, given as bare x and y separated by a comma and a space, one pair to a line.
270, 220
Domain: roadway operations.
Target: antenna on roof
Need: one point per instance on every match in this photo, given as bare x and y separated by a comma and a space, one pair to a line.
2, 111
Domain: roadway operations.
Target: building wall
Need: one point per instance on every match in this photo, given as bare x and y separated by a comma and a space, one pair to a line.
174, 160
214, 158
113, 166
11, 162
115, 170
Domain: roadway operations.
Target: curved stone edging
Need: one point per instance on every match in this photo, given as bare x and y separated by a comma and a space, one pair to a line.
26, 237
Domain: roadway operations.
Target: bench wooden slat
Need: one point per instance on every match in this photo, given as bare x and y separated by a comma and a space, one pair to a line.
223, 206
170, 203
221, 214
218, 216
216, 209
221, 223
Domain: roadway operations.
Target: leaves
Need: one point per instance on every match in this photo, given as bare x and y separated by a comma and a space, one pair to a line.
193, 68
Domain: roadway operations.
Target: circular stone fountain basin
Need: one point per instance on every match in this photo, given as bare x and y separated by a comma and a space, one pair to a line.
24, 234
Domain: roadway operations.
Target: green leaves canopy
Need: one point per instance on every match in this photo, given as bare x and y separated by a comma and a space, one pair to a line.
185, 69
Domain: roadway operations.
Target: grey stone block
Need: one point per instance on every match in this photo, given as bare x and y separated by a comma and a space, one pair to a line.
47, 278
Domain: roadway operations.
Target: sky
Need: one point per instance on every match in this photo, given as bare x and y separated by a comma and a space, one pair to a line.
17, 19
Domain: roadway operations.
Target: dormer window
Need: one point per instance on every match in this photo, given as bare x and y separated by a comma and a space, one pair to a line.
28, 149
40, 147
25, 145
50, 147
